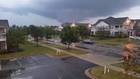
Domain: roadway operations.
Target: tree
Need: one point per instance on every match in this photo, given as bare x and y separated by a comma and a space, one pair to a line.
120, 35
31, 29
48, 32
83, 31
131, 59
36, 34
14, 26
26, 29
15, 36
137, 30
69, 35
41, 34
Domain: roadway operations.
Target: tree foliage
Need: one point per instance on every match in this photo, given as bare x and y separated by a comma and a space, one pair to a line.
26, 29
31, 29
69, 35
83, 31
15, 36
48, 32
131, 59
137, 31
36, 33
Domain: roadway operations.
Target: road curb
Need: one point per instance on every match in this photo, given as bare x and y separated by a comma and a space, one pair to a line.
88, 74
55, 56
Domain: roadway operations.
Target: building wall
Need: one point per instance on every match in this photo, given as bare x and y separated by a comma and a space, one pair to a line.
102, 24
3, 38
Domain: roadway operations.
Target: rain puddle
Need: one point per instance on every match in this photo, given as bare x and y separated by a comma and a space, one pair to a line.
7, 74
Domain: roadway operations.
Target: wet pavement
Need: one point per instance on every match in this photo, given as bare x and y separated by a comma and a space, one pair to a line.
44, 67
107, 50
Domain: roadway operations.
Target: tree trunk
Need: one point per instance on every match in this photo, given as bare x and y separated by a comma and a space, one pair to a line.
37, 41
82, 38
47, 37
68, 45
17, 46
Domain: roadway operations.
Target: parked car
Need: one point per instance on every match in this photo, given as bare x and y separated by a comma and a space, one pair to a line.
63, 42
133, 37
138, 38
88, 41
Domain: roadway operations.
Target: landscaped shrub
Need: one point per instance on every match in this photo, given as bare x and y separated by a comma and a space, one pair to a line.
20, 49
3, 51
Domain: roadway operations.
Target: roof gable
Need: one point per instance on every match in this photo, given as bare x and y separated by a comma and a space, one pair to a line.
102, 23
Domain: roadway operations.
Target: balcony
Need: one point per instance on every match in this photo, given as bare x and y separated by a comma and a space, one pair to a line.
117, 29
2, 30
2, 39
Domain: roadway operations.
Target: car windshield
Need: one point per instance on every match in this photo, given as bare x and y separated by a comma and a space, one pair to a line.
69, 39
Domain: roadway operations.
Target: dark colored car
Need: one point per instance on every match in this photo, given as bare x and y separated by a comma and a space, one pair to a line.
88, 41
63, 42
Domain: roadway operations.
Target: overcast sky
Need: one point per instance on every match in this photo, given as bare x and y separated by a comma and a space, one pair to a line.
55, 12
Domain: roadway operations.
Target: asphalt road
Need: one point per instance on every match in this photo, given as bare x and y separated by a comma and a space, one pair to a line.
44, 67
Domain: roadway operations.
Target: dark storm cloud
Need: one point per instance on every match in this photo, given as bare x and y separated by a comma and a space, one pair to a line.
78, 10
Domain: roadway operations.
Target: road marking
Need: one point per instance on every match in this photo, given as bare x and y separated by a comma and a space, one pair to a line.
35, 59
30, 77
59, 77
34, 67
19, 62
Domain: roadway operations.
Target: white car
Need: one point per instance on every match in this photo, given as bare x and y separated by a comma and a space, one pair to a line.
138, 38
133, 37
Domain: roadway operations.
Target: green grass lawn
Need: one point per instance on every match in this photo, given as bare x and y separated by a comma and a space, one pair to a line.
122, 66
112, 41
31, 49
72, 50
99, 73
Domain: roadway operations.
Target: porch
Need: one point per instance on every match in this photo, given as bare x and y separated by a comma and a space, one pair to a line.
3, 45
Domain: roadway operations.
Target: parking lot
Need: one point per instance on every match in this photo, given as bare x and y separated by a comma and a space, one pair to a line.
44, 67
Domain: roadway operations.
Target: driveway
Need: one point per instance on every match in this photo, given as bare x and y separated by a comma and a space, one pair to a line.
44, 67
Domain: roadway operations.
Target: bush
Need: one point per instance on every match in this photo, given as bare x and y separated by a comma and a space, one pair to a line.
20, 49
3, 51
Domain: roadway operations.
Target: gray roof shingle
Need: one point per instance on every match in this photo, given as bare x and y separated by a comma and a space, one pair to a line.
137, 20
137, 23
4, 23
112, 20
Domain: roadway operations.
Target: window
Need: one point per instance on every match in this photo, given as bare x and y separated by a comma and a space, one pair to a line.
111, 27
1, 30
125, 27
116, 26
